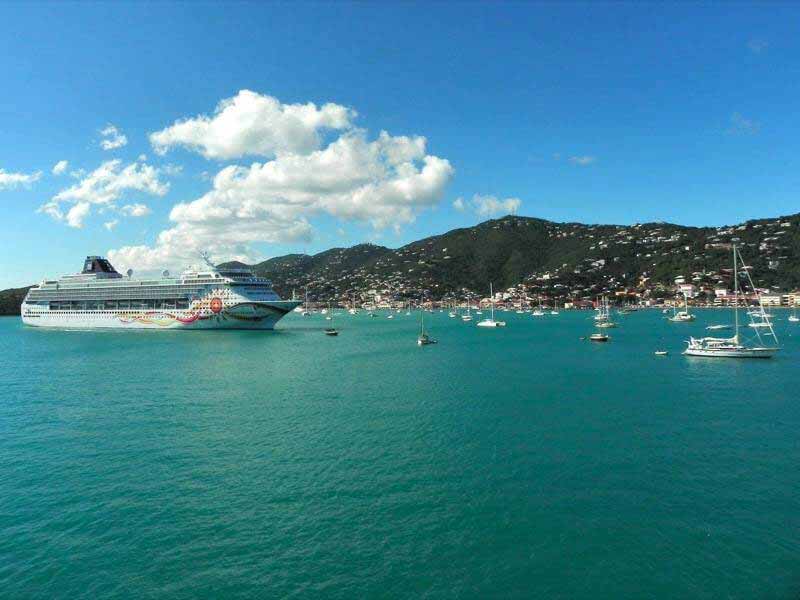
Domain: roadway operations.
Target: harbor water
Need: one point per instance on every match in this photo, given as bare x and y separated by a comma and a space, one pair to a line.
517, 462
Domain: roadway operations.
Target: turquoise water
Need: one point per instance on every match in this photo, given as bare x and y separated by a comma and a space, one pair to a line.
518, 462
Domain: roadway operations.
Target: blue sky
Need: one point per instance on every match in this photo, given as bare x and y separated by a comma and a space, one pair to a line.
580, 112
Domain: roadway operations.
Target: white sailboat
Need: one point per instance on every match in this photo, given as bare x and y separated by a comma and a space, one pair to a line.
793, 318
467, 317
490, 322
603, 318
602, 313
306, 313
735, 347
538, 312
682, 316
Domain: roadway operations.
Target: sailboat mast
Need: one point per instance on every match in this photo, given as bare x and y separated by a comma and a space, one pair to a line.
491, 298
735, 296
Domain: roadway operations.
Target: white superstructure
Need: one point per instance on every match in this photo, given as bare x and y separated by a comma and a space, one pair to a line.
200, 298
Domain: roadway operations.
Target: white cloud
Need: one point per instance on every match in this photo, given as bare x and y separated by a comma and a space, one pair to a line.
488, 206
385, 182
582, 161
103, 187
77, 214
458, 204
135, 210
60, 167
254, 124
113, 138
10, 181
110, 225
743, 126
172, 170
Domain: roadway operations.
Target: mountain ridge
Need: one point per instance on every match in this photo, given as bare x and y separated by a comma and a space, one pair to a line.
552, 259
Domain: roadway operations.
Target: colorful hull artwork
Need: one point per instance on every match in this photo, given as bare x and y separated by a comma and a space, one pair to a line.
243, 312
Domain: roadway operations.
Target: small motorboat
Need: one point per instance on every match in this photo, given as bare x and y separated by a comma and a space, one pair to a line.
331, 331
661, 352
598, 337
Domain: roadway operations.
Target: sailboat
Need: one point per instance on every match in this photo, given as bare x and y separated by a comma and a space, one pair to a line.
305, 306
423, 339
468, 316
682, 316
490, 322
538, 312
735, 347
328, 313
331, 330
793, 318
603, 318
353, 310
602, 313
599, 336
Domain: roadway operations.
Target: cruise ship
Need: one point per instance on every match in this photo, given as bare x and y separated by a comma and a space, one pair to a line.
200, 298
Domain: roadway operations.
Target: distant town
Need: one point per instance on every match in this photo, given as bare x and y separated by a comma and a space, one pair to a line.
650, 264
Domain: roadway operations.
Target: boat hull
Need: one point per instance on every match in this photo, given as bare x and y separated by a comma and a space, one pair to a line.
722, 353
244, 315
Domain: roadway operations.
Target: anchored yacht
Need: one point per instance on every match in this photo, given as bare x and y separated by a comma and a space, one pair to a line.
200, 298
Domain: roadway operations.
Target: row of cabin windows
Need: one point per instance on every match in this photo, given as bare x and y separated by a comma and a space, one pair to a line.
174, 304
130, 292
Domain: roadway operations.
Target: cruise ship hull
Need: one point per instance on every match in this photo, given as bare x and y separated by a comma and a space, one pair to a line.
244, 315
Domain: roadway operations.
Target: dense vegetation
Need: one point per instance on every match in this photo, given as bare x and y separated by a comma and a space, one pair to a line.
554, 258
549, 256
10, 300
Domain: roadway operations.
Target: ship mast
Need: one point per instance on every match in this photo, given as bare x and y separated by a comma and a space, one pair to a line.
735, 296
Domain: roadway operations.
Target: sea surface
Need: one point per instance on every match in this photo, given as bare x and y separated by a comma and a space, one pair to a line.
520, 462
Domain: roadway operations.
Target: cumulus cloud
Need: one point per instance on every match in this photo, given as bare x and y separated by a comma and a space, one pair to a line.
489, 206
104, 186
76, 215
254, 124
60, 167
10, 181
110, 225
113, 138
459, 205
384, 182
135, 210
582, 161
